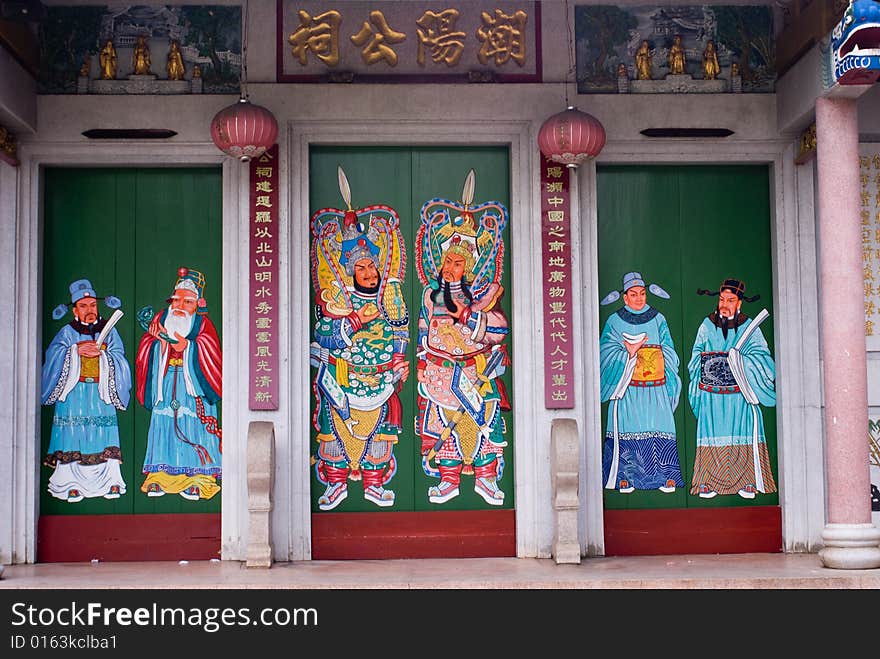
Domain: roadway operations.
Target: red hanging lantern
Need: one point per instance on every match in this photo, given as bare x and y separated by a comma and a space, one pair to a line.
244, 130
571, 137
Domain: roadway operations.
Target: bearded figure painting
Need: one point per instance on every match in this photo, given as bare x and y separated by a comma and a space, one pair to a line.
179, 379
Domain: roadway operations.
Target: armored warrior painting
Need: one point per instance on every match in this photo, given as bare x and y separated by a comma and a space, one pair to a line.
359, 348
461, 354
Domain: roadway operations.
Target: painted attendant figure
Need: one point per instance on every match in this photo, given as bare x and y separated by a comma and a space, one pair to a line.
639, 376
87, 378
731, 374
179, 379
361, 338
462, 355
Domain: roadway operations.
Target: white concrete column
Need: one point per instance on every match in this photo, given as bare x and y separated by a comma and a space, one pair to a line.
851, 541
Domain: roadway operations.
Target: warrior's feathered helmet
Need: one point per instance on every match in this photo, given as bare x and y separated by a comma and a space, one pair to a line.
356, 245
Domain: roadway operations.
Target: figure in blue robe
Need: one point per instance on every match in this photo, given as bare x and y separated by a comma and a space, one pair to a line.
87, 381
732, 374
639, 379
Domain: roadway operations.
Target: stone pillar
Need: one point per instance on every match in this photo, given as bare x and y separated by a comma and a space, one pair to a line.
564, 469
260, 470
850, 540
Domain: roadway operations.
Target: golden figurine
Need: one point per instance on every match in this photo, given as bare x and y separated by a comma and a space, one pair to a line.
621, 71
175, 66
86, 65
734, 70
197, 71
676, 56
644, 61
107, 59
140, 60
711, 68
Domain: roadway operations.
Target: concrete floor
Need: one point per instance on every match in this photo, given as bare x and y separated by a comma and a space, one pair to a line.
733, 571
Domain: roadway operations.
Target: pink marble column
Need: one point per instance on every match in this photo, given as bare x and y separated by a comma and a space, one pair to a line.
850, 539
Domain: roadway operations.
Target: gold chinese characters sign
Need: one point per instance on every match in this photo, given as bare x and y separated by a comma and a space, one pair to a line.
869, 213
409, 41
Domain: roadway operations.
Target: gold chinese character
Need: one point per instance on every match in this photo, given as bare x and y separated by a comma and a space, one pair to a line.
558, 364
263, 323
263, 291
262, 397
263, 381
263, 172
559, 395
263, 365
556, 216
263, 307
562, 337
869, 328
437, 34
263, 200
869, 308
869, 290
263, 262
555, 201
263, 217
559, 380
377, 49
865, 196
556, 231
868, 273
866, 216
262, 351
263, 186
554, 172
556, 276
556, 246
262, 232
555, 186
263, 337
557, 308
558, 322
320, 34
502, 37
262, 276
876, 161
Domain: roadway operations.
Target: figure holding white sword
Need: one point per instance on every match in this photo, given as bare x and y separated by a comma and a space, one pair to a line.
732, 375
87, 378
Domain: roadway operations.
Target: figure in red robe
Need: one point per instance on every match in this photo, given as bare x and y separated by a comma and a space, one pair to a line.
179, 374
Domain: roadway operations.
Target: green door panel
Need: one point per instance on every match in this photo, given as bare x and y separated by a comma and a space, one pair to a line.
684, 228
405, 178
128, 231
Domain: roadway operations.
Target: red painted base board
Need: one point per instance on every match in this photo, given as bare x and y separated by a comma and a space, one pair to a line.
741, 530
172, 537
441, 534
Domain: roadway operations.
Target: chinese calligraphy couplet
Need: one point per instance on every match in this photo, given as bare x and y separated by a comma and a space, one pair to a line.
556, 278
263, 281
869, 212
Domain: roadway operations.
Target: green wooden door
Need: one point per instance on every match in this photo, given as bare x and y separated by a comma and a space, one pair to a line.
686, 228
127, 231
405, 179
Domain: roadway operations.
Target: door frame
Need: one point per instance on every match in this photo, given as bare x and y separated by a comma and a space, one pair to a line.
531, 479
800, 441
24, 361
